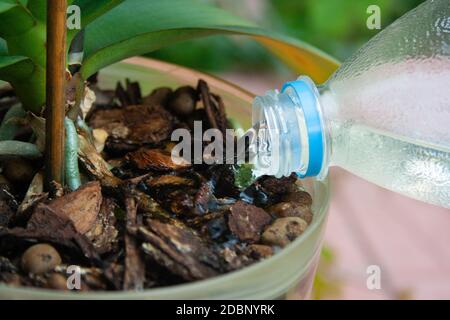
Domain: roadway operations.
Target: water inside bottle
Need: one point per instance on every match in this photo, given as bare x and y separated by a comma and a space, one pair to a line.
391, 126
416, 169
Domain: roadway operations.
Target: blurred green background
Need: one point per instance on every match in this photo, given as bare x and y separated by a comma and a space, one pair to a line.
338, 27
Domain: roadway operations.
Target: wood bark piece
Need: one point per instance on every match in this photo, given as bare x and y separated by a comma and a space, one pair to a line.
94, 163
103, 233
6, 213
156, 159
214, 107
34, 192
179, 202
81, 206
134, 274
202, 198
169, 180
134, 125
179, 250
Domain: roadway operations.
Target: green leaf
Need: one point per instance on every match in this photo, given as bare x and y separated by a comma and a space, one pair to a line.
140, 26
27, 78
38, 9
3, 47
6, 5
15, 18
90, 10
15, 67
24, 39
12, 148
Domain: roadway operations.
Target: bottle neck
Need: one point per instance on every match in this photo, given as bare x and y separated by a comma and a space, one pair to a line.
291, 131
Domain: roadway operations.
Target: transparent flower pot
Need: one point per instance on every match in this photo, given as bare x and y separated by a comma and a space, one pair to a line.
288, 274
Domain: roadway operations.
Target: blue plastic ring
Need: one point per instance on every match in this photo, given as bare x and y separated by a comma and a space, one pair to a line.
308, 102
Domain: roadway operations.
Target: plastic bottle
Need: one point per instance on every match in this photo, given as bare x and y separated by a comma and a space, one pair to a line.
384, 115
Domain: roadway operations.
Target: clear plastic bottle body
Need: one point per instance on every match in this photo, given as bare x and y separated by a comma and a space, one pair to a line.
416, 164
385, 114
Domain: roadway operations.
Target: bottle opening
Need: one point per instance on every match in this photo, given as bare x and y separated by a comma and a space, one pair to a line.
289, 135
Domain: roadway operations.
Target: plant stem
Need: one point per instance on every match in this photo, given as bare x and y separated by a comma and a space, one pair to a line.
55, 90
